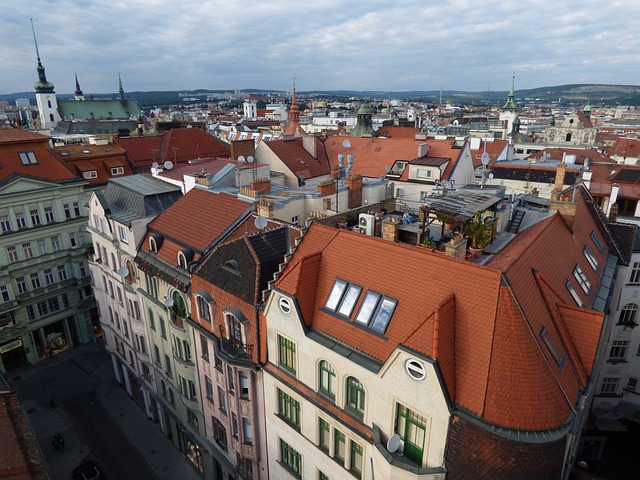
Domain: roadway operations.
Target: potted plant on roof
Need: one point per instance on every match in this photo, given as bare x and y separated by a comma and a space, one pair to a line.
480, 232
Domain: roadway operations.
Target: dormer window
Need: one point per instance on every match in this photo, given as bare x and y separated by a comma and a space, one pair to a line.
184, 258
28, 158
90, 174
376, 311
233, 266
117, 171
155, 242
204, 311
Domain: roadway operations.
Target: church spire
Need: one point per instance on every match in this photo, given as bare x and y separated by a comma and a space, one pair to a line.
41, 86
510, 105
78, 92
120, 89
294, 127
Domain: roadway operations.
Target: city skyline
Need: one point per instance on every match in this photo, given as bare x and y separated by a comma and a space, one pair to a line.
329, 46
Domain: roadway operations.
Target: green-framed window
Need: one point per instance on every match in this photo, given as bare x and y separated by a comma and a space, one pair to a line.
289, 409
325, 435
355, 463
322, 476
287, 354
339, 447
291, 459
412, 429
327, 379
355, 396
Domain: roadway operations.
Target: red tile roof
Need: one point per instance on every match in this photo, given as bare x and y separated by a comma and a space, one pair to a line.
373, 155
493, 149
408, 133
195, 221
99, 158
293, 154
482, 323
178, 146
48, 166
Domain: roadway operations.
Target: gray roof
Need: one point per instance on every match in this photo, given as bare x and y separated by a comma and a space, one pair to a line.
139, 196
95, 109
461, 205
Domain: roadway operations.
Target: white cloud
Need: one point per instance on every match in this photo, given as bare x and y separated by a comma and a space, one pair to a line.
333, 44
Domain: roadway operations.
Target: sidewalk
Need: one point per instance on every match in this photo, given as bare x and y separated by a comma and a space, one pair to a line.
36, 387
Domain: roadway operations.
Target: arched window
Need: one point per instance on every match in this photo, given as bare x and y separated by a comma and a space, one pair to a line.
131, 276
203, 308
179, 306
234, 330
185, 256
182, 261
152, 245
629, 314
354, 398
327, 379
49, 105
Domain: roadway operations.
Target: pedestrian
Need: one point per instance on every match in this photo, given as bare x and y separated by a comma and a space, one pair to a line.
61, 441
55, 442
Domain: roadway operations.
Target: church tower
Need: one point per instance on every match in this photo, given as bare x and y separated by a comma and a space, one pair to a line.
509, 111
45, 96
294, 127
78, 93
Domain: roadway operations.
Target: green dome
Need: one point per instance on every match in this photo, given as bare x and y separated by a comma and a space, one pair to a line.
43, 87
365, 109
587, 108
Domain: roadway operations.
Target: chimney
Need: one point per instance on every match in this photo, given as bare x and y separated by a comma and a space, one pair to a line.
309, 144
245, 148
613, 197
423, 149
613, 213
457, 247
475, 143
354, 184
390, 228
264, 208
559, 183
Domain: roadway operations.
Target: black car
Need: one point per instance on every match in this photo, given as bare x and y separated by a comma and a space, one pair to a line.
88, 470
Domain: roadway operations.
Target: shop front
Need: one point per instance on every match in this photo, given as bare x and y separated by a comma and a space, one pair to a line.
13, 354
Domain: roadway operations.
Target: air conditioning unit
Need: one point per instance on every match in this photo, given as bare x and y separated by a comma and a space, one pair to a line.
367, 224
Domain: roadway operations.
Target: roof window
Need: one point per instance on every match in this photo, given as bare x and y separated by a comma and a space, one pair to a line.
28, 158
597, 242
155, 242
553, 348
343, 297
233, 266
376, 311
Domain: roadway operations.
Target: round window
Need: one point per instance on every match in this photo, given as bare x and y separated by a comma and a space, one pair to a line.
285, 305
415, 369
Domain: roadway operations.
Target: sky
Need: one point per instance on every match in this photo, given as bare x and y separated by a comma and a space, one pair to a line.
389, 45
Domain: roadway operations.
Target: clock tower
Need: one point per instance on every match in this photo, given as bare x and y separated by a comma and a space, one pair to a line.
45, 96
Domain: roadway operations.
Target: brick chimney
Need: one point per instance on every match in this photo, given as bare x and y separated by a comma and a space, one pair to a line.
613, 197
264, 208
354, 184
390, 229
457, 247
243, 147
559, 183
613, 213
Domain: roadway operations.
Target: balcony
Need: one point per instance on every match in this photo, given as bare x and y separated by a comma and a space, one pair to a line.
234, 352
177, 320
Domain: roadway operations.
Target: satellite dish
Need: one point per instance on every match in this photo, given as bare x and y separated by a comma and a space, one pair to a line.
346, 144
261, 222
154, 165
547, 155
168, 165
393, 443
241, 158
250, 159
490, 176
123, 272
485, 158
168, 302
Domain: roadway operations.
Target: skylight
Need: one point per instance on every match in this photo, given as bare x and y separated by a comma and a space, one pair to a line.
28, 158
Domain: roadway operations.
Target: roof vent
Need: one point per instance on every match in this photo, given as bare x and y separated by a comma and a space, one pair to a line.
86, 151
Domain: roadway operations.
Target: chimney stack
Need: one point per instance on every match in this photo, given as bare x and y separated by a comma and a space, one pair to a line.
423, 149
559, 183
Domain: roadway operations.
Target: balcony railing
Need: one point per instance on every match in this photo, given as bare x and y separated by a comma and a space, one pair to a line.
235, 349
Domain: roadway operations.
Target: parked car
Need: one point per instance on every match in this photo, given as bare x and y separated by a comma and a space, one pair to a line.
88, 470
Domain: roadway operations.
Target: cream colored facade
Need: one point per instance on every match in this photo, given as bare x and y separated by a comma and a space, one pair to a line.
571, 131
386, 388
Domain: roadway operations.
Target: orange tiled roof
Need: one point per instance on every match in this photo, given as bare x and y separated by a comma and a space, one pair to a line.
48, 167
196, 220
493, 149
98, 158
408, 133
373, 155
177, 145
485, 332
298, 160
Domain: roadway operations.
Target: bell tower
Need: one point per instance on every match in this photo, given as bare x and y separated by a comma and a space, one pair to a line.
45, 96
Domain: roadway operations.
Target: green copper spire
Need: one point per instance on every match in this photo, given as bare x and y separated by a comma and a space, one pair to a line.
510, 105
41, 86
120, 89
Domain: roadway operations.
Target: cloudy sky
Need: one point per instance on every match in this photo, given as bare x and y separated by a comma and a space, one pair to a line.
395, 45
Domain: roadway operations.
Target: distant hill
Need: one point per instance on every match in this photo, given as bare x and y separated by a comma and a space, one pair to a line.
609, 95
